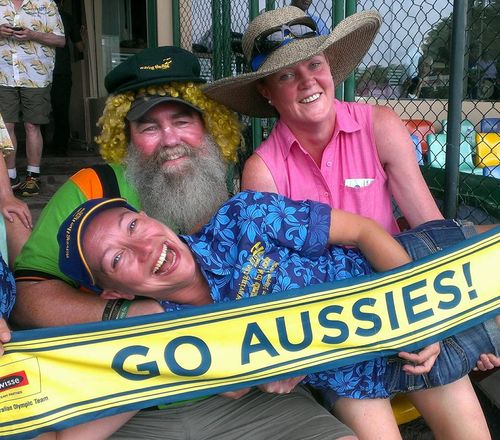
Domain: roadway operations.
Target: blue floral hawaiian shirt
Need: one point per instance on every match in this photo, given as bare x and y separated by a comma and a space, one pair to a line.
7, 289
262, 243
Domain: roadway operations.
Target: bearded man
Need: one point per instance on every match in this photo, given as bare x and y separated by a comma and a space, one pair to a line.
189, 178
167, 147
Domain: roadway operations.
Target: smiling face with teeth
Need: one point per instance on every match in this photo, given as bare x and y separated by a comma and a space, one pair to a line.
133, 254
168, 125
302, 94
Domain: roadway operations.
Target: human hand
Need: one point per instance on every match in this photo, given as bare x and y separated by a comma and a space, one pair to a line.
235, 394
6, 30
24, 34
421, 362
4, 334
12, 205
283, 386
487, 361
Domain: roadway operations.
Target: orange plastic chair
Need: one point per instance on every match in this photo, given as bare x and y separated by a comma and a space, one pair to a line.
420, 128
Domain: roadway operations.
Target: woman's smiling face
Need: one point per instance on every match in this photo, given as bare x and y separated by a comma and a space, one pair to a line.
132, 253
302, 94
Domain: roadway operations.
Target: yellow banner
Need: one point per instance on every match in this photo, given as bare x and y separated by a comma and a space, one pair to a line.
54, 378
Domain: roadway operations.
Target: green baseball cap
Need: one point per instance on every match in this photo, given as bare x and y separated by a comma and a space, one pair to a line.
154, 66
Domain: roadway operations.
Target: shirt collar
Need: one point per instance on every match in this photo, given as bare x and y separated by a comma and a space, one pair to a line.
343, 123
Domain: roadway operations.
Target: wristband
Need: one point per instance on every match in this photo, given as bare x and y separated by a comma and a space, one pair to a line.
123, 309
107, 310
116, 309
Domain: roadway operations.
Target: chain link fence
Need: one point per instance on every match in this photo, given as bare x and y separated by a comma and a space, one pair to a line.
409, 68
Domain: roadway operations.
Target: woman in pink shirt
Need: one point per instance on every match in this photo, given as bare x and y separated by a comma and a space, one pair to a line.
355, 157
349, 155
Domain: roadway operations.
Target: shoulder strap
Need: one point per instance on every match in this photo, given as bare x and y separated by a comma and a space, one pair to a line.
108, 180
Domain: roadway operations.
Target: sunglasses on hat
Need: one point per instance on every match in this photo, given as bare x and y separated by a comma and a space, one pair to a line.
277, 36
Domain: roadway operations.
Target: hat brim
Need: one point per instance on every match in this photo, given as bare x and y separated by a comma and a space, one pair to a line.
142, 105
344, 48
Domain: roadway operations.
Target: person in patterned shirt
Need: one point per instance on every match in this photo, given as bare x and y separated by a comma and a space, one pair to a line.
257, 244
29, 33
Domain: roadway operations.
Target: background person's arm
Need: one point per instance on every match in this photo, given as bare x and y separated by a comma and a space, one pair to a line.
397, 155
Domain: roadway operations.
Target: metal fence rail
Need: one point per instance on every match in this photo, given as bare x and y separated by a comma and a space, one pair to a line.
435, 62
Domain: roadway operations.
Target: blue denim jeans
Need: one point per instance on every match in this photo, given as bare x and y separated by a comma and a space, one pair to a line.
434, 236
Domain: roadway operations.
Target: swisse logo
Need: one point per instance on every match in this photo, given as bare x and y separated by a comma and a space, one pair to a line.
13, 380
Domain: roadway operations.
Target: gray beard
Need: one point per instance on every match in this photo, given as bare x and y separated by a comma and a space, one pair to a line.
183, 197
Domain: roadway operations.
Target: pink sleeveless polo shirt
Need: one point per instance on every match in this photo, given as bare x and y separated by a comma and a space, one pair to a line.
351, 176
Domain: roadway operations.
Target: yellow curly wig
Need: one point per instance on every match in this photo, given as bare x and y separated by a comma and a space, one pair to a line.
220, 122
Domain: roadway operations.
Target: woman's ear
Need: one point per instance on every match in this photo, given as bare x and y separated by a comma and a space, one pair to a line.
263, 90
113, 294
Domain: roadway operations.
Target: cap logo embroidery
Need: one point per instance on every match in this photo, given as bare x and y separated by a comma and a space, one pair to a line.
163, 66
76, 216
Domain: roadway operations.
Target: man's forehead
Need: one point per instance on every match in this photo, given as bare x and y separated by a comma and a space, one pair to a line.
170, 109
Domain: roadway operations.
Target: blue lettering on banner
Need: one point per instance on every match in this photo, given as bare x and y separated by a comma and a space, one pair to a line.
391, 310
201, 346
415, 300
368, 317
151, 368
468, 279
306, 330
411, 302
248, 348
444, 289
333, 324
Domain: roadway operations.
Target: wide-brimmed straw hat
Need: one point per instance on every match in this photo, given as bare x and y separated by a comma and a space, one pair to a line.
344, 48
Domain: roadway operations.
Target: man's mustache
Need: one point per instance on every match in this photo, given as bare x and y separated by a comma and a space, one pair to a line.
179, 150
